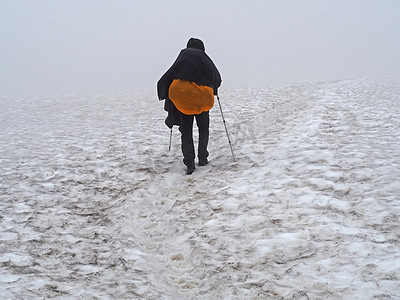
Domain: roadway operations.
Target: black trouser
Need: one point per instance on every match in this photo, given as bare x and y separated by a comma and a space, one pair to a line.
186, 129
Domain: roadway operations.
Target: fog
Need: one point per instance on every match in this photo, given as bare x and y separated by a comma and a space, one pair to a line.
97, 46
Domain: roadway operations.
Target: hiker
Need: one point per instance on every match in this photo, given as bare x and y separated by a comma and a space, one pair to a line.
188, 88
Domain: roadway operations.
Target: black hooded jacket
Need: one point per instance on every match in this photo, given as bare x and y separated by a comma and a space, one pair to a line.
192, 64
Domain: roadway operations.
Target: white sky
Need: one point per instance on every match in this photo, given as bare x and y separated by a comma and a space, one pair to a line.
95, 46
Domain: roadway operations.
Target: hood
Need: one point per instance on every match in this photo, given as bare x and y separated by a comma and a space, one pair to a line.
196, 44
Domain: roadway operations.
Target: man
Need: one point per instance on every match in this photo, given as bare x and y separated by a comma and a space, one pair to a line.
188, 88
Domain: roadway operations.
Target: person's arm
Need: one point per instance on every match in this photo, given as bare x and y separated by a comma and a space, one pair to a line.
216, 76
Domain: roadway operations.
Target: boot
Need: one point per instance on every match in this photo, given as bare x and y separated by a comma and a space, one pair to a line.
203, 162
190, 168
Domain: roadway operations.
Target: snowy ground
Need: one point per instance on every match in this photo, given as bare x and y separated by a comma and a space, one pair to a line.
93, 206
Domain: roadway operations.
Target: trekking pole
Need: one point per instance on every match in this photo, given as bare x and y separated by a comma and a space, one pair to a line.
226, 128
170, 140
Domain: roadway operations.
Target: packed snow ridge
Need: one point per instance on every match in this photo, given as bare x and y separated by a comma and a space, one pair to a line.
94, 206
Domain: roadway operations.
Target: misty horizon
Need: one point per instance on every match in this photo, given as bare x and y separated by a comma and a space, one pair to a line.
102, 46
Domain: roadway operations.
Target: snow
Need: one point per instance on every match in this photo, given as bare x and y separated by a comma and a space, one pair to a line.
94, 206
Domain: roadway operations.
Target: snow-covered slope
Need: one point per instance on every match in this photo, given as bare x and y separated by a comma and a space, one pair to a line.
92, 204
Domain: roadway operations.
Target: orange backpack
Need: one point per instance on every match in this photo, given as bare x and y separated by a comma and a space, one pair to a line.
191, 98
